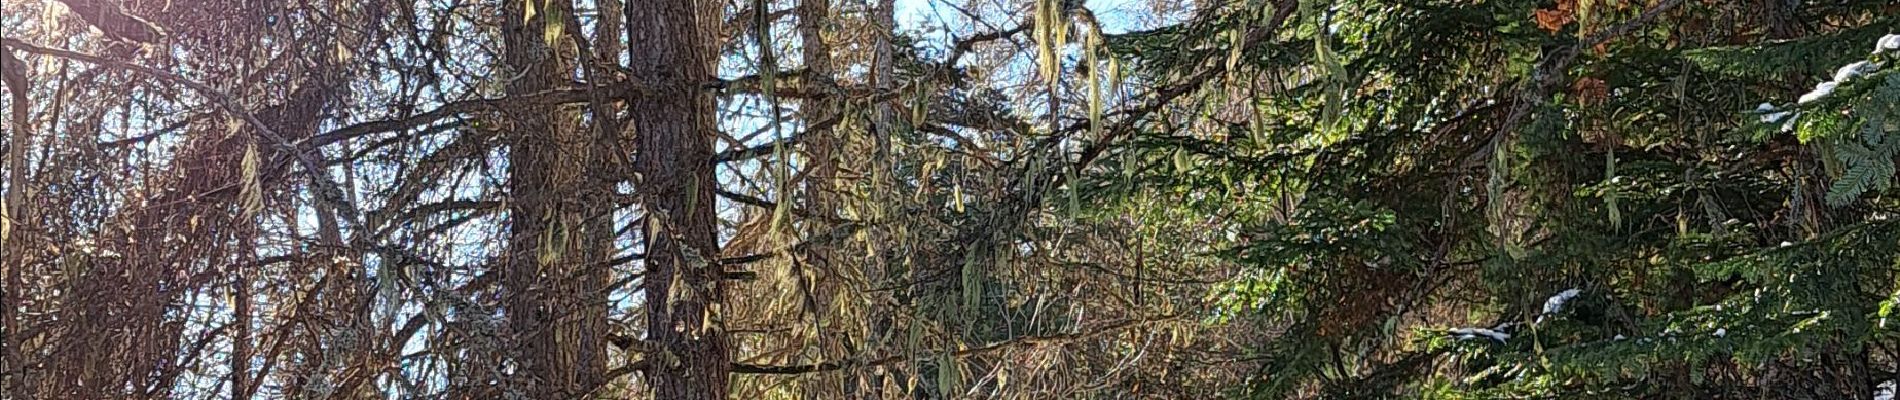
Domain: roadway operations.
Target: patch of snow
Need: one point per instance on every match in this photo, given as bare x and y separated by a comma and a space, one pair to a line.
1720, 332
1786, 243
1474, 333
1821, 90
1886, 389
1775, 117
1850, 71
1619, 337
1887, 43
1556, 302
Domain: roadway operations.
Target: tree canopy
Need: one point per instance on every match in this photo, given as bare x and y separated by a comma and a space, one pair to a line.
879, 199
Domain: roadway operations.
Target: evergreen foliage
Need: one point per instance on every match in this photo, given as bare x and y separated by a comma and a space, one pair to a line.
1403, 215
879, 199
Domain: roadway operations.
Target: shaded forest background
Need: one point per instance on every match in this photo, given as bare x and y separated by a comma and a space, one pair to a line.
1013, 199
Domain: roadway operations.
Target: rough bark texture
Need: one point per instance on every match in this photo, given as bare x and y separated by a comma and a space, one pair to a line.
672, 44
823, 145
12, 256
872, 382
553, 283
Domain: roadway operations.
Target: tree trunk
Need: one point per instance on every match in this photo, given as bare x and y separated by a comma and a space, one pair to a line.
673, 44
556, 264
12, 210
872, 382
822, 185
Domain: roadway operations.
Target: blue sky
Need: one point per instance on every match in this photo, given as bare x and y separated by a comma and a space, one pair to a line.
1117, 15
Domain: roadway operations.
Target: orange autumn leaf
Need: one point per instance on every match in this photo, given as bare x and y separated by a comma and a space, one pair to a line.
1554, 19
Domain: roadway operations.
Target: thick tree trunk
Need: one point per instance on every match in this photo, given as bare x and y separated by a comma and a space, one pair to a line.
673, 44
556, 269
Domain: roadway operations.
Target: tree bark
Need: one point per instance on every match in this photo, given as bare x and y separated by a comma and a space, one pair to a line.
555, 270
12, 211
673, 46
